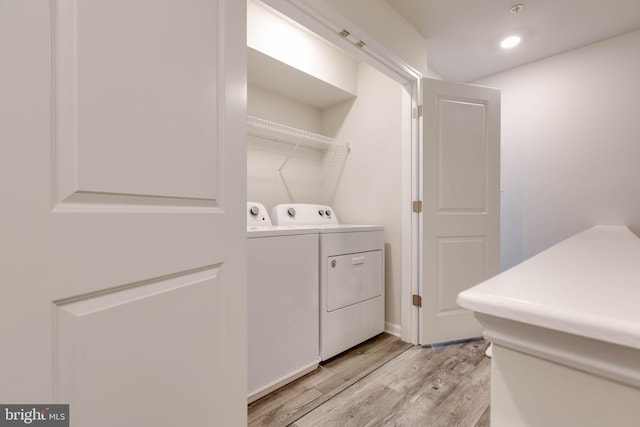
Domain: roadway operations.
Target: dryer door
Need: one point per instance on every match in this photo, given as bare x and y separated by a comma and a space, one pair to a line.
353, 278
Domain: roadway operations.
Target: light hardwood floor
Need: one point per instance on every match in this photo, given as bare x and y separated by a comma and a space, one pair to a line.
386, 382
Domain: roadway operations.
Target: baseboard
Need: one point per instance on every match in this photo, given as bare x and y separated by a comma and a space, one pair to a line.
393, 329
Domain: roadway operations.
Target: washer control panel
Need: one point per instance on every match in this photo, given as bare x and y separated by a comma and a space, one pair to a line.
303, 214
257, 215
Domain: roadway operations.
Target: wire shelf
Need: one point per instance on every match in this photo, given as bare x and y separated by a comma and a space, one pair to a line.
332, 156
289, 135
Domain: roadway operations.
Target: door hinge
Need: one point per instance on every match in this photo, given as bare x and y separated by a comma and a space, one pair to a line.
417, 300
417, 112
417, 206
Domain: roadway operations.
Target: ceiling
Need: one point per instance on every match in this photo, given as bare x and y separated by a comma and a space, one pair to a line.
463, 35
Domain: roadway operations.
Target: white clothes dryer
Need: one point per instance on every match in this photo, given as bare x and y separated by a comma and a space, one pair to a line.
283, 302
351, 275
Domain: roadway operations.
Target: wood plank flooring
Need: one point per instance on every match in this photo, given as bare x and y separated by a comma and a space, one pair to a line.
386, 382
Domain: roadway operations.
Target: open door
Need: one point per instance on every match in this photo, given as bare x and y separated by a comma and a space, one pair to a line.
122, 227
461, 203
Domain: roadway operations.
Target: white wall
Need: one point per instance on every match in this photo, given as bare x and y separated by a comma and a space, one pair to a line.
432, 74
570, 145
370, 187
275, 107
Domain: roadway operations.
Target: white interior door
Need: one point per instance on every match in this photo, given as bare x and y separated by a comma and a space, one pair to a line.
122, 227
461, 203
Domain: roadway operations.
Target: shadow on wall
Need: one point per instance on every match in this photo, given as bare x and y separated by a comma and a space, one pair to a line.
334, 117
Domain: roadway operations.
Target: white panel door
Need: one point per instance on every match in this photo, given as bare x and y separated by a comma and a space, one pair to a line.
122, 226
461, 203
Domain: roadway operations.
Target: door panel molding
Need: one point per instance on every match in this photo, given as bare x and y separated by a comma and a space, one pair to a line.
455, 276
126, 337
462, 140
115, 109
86, 201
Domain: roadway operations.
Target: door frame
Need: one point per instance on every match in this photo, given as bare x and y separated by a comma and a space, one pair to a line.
324, 21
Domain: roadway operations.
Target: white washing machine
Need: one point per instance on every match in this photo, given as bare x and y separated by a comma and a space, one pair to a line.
351, 276
283, 302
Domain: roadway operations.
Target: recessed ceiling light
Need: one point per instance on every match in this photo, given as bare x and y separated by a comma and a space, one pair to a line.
510, 42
